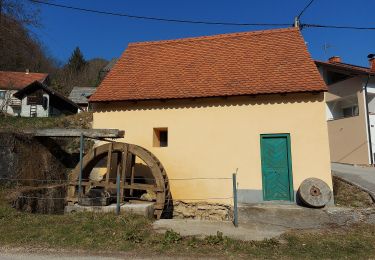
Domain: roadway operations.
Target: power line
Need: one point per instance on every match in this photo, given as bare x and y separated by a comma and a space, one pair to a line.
297, 21
157, 18
304, 9
336, 27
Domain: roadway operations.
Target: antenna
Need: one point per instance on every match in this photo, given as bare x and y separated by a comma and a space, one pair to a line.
325, 48
297, 22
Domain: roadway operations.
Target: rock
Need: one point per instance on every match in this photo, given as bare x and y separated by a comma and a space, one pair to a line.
148, 196
315, 193
49, 199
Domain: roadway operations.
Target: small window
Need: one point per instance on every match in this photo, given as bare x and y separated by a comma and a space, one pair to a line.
350, 111
45, 103
2, 94
160, 137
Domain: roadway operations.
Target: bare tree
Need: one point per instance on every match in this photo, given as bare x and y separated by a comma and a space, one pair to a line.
6, 102
24, 12
19, 48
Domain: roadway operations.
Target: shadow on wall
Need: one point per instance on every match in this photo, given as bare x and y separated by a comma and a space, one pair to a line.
351, 152
209, 102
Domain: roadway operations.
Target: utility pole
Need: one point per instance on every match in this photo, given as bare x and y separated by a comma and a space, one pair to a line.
297, 23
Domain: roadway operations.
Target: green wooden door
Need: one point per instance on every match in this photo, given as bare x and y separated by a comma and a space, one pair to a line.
276, 167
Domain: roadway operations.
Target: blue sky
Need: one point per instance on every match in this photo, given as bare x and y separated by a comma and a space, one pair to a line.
107, 36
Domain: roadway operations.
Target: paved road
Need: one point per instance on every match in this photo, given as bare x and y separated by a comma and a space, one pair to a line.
363, 177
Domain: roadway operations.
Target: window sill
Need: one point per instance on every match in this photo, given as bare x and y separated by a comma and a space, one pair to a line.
339, 118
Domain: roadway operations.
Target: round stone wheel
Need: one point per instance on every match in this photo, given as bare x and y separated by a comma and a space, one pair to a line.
315, 193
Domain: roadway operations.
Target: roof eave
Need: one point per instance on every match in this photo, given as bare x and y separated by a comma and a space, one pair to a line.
340, 68
325, 89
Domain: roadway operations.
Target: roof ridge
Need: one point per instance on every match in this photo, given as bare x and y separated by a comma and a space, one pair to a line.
343, 63
23, 72
215, 36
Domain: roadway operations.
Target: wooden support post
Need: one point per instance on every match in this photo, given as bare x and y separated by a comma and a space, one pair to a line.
118, 194
129, 167
235, 209
132, 174
123, 169
80, 165
109, 165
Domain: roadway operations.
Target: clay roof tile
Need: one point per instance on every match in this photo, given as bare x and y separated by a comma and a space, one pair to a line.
260, 62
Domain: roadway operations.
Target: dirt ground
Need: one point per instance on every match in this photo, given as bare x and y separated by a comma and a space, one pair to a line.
347, 195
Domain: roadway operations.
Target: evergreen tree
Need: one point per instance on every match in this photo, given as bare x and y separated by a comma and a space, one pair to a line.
76, 61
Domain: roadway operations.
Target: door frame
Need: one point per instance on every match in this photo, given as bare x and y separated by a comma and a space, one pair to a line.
289, 154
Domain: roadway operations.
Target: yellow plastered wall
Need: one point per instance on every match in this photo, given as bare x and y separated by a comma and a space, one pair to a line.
211, 138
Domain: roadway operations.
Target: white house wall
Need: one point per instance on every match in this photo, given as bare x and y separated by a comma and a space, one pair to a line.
14, 111
344, 89
40, 111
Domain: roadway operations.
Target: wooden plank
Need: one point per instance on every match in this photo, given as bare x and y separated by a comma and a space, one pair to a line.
61, 132
130, 159
132, 176
109, 164
123, 168
135, 186
139, 186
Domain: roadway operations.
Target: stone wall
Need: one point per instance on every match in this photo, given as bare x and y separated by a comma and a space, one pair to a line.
46, 199
24, 157
202, 211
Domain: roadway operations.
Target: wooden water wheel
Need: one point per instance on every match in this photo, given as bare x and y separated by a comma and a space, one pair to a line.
121, 159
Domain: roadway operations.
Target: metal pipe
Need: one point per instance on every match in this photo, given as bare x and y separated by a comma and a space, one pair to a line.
235, 208
368, 122
80, 164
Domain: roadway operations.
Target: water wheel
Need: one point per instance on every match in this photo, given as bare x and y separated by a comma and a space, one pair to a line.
121, 159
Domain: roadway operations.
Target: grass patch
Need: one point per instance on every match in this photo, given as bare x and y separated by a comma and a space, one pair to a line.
107, 232
350, 196
81, 120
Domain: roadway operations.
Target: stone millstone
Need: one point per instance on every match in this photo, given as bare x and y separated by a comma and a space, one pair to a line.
315, 192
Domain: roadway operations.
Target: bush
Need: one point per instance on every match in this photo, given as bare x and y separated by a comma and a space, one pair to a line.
216, 239
171, 237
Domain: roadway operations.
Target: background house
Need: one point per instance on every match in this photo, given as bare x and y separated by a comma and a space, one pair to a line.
10, 83
104, 71
350, 110
37, 100
80, 96
206, 106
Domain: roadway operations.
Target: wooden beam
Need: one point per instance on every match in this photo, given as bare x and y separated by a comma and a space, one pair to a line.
61, 132
123, 168
135, 186
109, 165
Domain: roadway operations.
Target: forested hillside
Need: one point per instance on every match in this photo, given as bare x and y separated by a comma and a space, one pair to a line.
20, 49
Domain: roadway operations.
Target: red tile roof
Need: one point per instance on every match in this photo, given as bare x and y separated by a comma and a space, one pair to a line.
260, 62
346, 67
19, 80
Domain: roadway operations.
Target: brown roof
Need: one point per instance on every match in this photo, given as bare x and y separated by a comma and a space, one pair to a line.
39, 85
345, 67
260, 62
19, 80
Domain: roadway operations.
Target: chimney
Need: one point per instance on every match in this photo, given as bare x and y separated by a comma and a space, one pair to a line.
334, 59
27, 71
372, 63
